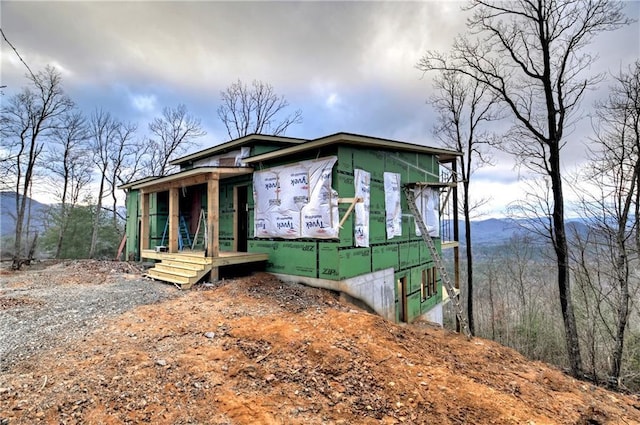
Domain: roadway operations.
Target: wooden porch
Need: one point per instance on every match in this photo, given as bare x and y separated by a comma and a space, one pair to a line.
186, 268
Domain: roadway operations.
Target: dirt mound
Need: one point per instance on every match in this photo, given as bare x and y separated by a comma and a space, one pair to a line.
258, 351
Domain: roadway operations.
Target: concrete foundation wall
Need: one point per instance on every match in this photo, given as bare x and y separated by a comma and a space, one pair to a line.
435, 315
377, 289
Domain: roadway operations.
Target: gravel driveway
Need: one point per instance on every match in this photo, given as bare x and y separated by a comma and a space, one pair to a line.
56, 305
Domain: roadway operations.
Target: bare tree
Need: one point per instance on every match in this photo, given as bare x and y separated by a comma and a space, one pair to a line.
256, 109
531, 55
125, 158
68, 168
104, 131
612, 207
175, 132
463, 105
27, 119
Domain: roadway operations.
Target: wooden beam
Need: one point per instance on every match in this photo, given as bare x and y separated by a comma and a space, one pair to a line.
213, 220
144, 222
178, 183
174, 210
354, 201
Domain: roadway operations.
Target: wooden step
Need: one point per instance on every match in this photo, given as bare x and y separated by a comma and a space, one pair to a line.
187, 259
185, 276
179, 266
169, 277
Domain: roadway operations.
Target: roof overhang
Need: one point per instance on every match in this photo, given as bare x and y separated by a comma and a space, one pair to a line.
237, 143
189, 177
357, 140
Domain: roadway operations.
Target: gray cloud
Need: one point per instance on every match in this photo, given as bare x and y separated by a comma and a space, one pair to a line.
350, 66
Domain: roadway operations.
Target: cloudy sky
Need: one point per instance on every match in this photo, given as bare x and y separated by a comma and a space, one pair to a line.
349, 66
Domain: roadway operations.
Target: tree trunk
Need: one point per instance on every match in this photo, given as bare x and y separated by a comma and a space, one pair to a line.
17, 245
21, 205
621, 325
469, 254
562, 260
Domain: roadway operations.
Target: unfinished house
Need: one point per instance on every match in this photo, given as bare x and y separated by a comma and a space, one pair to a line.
328, 212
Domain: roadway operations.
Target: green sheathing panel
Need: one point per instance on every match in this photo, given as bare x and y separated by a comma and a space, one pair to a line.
133, 214
328, 260
414, 309
416, 279
158, 216
371, 161
376, 202
354, 262
226, 214
409, 254
377, 228
345, 160
288, 257
250, 229
384, 257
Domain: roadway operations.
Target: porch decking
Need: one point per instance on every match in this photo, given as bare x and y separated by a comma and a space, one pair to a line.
186, 268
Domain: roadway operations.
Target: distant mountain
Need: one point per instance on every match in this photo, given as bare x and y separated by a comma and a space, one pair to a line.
8, 213
496, 231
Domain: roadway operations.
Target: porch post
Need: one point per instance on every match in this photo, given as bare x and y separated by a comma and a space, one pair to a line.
173, 219
213, 201
144, 221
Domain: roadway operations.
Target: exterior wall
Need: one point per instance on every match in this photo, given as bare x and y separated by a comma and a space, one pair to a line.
339, 260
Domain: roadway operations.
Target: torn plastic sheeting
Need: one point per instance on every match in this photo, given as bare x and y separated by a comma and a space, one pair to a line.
393, 208
296, 201
362, 182
428, 203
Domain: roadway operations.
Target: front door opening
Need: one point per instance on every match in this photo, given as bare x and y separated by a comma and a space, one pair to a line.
402, 299
242, 218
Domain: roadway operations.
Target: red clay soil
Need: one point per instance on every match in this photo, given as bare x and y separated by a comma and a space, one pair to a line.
258, 351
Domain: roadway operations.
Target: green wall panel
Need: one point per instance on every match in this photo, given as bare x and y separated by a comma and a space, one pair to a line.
370, 161
345, 160
409, 254
416, 279
384, 257
346, 232
414, 309
354, 262
226, 225
250, 201
407, 225
328, 261
288, 257
377, 228
226, 244
133, 241
425, 254
377, 197
343, 183
252, 215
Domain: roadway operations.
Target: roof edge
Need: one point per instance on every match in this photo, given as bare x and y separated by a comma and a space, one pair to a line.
239, 142
354, 139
